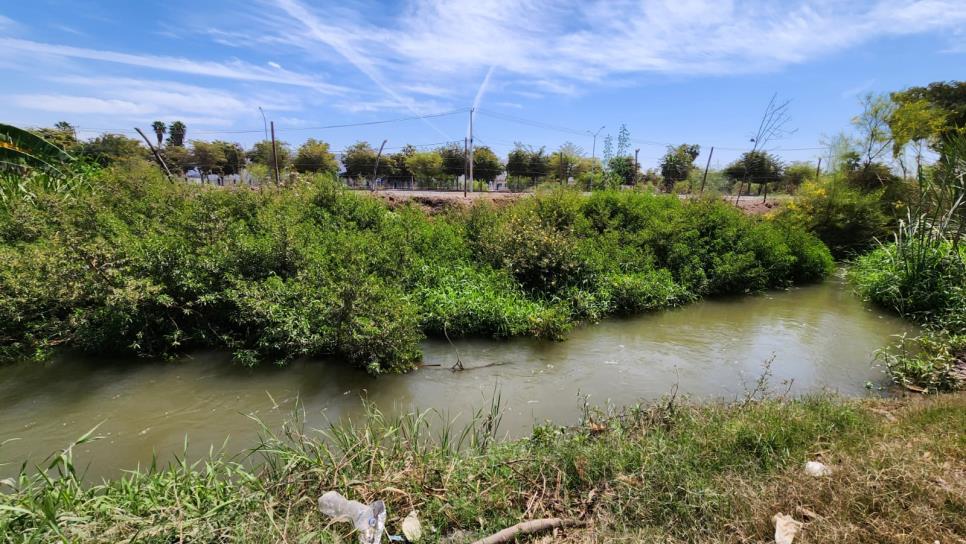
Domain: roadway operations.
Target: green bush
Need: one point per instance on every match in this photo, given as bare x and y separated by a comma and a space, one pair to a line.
140, 265
846, 218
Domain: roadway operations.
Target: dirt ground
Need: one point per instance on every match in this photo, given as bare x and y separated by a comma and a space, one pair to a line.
436, 200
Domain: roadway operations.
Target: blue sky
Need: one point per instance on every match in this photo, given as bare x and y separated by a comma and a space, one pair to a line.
696, 71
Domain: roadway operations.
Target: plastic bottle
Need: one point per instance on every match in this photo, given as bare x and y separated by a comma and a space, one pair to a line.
369, 520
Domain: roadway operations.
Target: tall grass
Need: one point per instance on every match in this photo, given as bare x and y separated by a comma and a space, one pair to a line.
670, 472
921, 274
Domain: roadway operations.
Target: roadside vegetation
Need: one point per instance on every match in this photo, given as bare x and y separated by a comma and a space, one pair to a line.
669, 472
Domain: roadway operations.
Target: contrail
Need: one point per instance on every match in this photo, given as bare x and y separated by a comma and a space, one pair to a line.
480, 92
331, 37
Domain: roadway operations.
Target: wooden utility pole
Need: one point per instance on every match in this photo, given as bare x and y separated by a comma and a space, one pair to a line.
465, 171
704, 179
471, 148
818, 169
157, 155
275, 155
636, 165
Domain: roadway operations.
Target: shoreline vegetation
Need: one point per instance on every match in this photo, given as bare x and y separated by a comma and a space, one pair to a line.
672, 471
140, 265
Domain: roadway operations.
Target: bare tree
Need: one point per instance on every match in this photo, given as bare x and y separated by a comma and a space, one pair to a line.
773, 126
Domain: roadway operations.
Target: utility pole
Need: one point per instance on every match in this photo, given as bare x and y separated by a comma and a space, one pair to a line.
275, 156
465, 171
264, 122
560, 166
157, 154
706, 166
471, 148
593, 151
636, 164
375, 168
818, 169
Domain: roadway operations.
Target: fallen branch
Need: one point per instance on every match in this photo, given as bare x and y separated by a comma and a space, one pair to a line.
527, 528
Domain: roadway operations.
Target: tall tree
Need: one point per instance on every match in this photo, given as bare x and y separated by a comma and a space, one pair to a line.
176, 134
755, 167
63, 135
159, 130
453, 159
932, 113
608, 151
234, 158
486, 165
208, 158
110, 148
314, 156
359, 160
518, 161
261, 153
623, 141
677, 163
425, 165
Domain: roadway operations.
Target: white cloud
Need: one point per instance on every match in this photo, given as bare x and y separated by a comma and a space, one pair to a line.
235, 69
62, 103
553, 46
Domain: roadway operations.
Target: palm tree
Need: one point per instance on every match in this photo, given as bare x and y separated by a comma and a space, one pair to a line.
177, 133
159, 129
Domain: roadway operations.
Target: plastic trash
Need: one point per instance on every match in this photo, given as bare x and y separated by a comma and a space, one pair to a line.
818, 470
411, 527
786, 528
369, 520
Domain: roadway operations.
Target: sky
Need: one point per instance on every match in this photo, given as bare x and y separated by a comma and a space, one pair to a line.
540, 72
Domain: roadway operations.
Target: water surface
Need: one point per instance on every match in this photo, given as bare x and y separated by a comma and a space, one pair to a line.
818, 337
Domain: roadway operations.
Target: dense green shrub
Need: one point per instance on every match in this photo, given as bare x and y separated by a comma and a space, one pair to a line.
141, 265
846, 218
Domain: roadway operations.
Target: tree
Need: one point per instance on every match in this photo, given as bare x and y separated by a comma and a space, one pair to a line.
261, 153
314, 156
425, 165
110, 148
755, 167
622, 167
234, 158
518, 162
623, 141
359, 160
568, 162
677, 164
608, 151
872, 125
796, 174
62, 135
176, 134
177, 158
159, 130
932, 113
454, 160
486, 165
208, 158
397, 161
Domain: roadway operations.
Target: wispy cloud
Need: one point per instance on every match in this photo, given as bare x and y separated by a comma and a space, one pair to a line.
234, 69
558, 47
335, 38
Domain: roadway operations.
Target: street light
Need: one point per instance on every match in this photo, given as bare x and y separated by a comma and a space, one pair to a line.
264, 122
593, 152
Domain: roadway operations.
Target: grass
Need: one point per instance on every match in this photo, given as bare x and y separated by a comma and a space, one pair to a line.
669, 472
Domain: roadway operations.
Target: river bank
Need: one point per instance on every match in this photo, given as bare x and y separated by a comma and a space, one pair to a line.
664, 472
814, 339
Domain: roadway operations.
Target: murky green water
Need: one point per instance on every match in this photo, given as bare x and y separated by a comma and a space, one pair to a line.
821, 337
